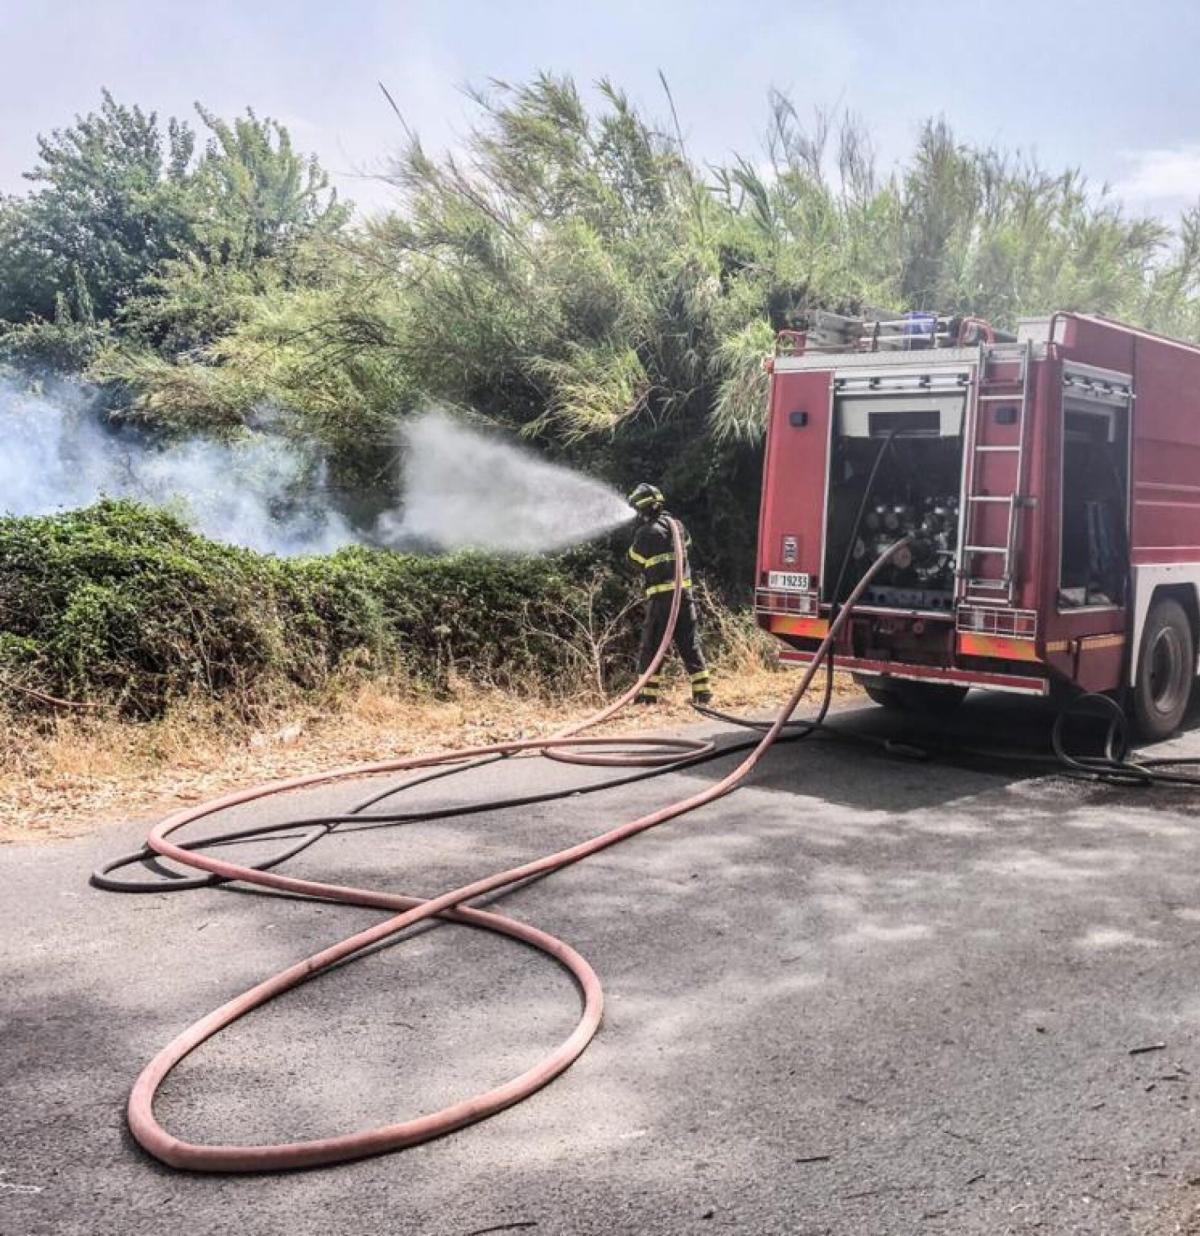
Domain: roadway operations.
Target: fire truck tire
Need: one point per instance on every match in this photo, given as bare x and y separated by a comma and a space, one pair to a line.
927, 698
880, 695
1166, 667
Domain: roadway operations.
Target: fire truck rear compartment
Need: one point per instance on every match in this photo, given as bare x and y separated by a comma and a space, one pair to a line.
913, 447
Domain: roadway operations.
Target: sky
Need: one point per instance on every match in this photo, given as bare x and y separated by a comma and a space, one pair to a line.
1110, 88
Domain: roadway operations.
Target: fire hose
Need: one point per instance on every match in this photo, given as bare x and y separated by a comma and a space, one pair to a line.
658, 754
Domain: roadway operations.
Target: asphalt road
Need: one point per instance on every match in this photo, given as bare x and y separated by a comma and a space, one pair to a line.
859, 996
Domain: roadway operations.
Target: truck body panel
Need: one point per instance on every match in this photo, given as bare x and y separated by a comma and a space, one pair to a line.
1051, 485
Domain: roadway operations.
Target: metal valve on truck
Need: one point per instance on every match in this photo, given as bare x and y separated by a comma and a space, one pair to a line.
925, 565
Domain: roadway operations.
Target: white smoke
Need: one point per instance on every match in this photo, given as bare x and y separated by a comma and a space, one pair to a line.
464, 489
258, 492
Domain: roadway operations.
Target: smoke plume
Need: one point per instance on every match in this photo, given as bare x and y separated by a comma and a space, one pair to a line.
259, 492
463, 489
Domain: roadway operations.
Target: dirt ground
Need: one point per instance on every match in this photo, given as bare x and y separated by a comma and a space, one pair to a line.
83, 773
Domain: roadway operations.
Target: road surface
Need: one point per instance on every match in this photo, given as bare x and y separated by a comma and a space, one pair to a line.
862, 995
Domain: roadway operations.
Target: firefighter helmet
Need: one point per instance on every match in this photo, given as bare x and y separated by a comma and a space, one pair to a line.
646, 499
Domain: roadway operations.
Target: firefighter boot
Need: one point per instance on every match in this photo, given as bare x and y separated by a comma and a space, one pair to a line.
651, 692
702, 687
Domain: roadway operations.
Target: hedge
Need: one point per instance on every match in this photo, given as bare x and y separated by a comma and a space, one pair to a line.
125, 605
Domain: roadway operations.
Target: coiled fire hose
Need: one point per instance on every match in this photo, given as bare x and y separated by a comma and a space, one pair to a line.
451, 906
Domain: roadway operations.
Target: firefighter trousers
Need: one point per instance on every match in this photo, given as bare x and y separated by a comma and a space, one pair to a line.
687, 642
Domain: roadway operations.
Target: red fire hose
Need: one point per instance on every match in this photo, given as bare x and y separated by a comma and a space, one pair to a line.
450, 906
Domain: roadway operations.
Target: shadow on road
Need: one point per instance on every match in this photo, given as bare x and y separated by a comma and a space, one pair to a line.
862, 993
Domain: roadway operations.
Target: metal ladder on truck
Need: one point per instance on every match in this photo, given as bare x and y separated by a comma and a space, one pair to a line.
1000, 401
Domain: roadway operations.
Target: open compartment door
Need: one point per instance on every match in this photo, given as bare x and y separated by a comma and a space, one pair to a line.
896, 471
792, 519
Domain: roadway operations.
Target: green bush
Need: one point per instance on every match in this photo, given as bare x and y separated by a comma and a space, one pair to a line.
125, 605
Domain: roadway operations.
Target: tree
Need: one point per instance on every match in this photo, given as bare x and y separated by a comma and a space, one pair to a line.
576, 277
572, 275
256, 196
113, 204
121, 199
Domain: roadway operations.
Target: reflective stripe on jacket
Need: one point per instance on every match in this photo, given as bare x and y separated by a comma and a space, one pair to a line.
653, 550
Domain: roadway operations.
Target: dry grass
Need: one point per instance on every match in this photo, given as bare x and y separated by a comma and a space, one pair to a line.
83, 773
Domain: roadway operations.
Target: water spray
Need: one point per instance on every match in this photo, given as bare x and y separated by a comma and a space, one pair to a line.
467, 489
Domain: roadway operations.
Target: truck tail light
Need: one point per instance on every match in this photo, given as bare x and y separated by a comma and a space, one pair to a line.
985, 620
772, 601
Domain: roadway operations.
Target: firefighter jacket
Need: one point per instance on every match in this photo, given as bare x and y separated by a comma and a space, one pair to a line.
653, 550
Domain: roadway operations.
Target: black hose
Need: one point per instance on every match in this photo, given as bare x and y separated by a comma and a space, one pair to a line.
102, 877
321, 826
1116, 765
795, 730
834, 598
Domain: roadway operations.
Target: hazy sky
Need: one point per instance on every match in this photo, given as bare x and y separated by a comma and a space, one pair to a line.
1111, 87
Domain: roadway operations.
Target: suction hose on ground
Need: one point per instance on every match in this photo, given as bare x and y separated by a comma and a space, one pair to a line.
1118, 764
451, 906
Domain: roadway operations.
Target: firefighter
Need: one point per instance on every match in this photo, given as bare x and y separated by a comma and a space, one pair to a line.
653, 550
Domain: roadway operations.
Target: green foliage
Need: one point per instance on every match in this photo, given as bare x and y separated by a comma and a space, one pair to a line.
119, 200
341, 386
48, 349
124, 605
188, 303
573, 276
178, 397
256, 195
112, 204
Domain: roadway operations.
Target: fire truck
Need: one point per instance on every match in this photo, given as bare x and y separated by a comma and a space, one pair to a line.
1048, 482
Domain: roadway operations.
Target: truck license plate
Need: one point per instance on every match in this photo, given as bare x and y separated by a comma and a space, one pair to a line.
788, 581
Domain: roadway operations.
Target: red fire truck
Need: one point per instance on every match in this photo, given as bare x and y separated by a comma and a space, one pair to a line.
1050, 484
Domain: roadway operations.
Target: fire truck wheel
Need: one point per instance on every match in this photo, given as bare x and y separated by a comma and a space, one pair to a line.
927, 698
881, 696
1166, 667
